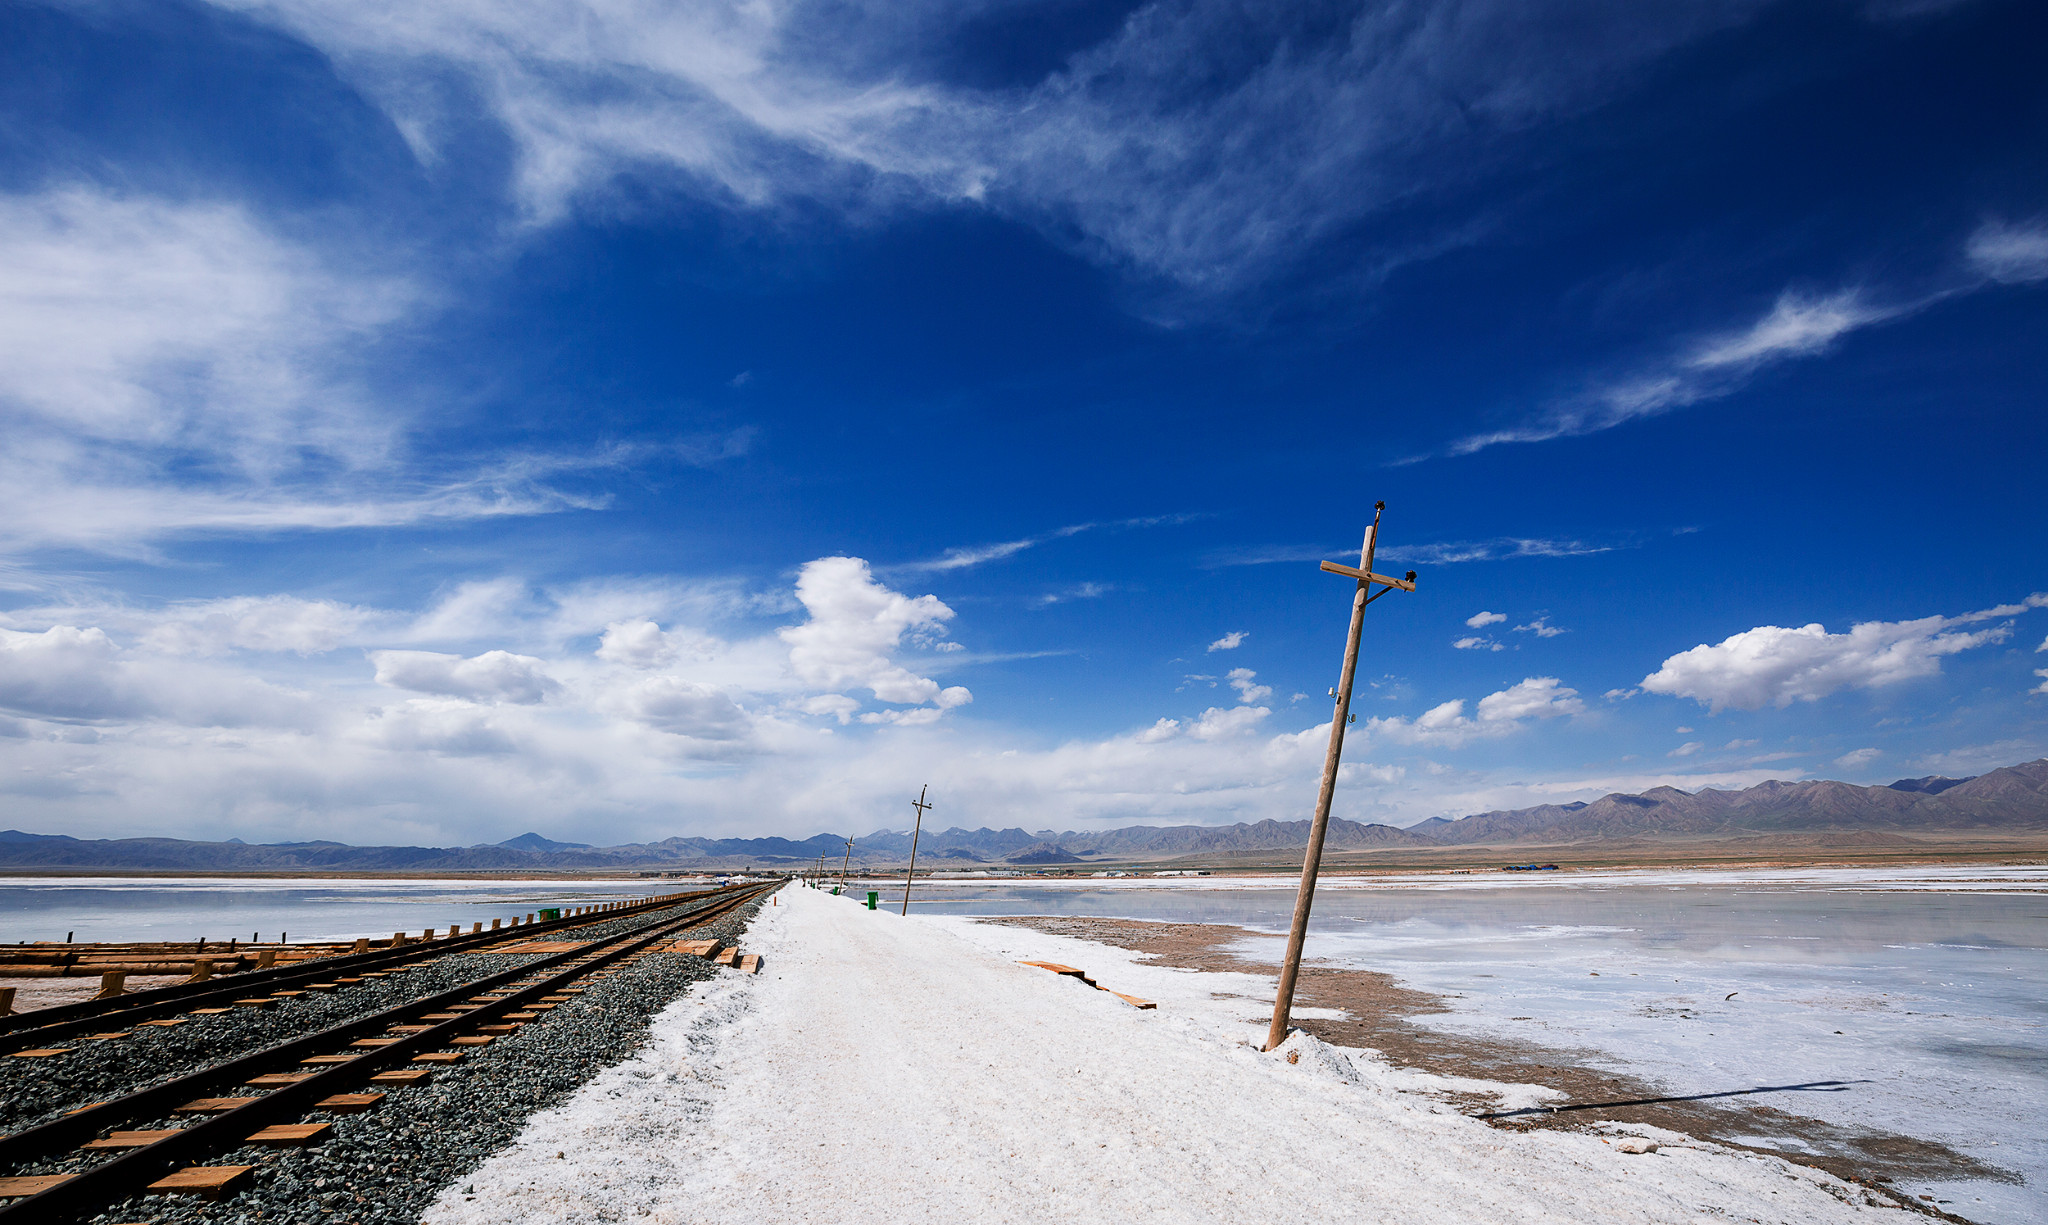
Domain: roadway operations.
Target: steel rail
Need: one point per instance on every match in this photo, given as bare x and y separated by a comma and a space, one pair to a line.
132, 1173
46, 1025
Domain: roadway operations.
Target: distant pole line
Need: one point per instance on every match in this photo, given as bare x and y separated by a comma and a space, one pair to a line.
920, 805
1304, 899
844, 864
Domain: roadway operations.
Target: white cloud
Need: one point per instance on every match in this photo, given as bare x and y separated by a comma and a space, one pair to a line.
1249, 691
1542, 628
1776, 665
64, 672
494, 676
1687, 749
856, 626
2011, 254
1797, 326
1480, 620
1475, 643
1230, 641
686, 708
1220, 722
2043, 686
1536, 697
1499, 714
1858, 757
256, 623
636, 644
175, 367
1304, 126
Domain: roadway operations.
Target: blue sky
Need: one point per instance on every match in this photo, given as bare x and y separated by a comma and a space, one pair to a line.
431, 421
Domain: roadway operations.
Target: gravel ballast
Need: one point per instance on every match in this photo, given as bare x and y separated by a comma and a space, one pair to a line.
387, 1165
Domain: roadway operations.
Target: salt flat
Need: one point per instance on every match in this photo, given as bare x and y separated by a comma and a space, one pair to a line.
908, 1070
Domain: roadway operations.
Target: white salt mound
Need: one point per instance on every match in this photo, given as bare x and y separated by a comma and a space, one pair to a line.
896, 1070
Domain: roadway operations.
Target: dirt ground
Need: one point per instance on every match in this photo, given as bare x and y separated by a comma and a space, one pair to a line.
1380, 1015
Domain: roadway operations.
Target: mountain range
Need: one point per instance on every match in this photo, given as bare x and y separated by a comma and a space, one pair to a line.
2009, 801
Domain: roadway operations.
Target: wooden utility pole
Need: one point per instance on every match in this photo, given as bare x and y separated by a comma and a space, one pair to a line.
1290, 968
920, 805
844, 864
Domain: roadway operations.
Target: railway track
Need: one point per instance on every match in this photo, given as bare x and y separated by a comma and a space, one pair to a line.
47, 1026
326, 1072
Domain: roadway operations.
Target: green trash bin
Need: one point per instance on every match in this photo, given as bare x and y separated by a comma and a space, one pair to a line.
872, 895
835, 891
550, 914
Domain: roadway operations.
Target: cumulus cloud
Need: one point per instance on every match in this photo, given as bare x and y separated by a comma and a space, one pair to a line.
1498, 714
1775, 665
1249, 691
62, 672
1230, 641
1481, 619
1858, 757
636, 644
494, 676
856, 626
1476, 643
686, 708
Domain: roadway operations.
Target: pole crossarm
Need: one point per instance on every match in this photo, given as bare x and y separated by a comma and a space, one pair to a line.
1367, 576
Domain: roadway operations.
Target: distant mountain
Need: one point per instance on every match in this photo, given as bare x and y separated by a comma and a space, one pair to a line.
1933, 784
2012, 798
534, 842
1768, 815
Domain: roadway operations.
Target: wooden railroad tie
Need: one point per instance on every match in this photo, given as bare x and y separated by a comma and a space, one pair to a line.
439, 1057
213, 1105
130, 1139
404, 1076
1070, 972
31, 1184
206, 1181
292, 1135
349, 1103
278, 1078
750, 964
40, 1054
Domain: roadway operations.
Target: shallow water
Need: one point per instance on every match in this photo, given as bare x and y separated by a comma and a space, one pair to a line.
177, 909
1932, 1003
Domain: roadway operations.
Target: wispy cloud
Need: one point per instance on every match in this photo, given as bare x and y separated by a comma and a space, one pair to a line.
1799, 324
974, 555
1304, 124
1442, 553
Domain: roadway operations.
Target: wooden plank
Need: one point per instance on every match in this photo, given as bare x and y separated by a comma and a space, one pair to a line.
208, 1181
1134, 1001
471, 1040
376, 1041
510, 1027
292, 1135
404, 1076
40, 1054
1403, 583
522, 1016
750, 964
259, 1002
350, 1103
727, 957
279, 1078
209, 1012
119, 1033
31, 1184
439, 1057
130, 1139
329, 1059
547, 946
213, 1105
442, 1016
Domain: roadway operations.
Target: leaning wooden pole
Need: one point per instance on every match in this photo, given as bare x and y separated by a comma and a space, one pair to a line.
915, 831
1304, 898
